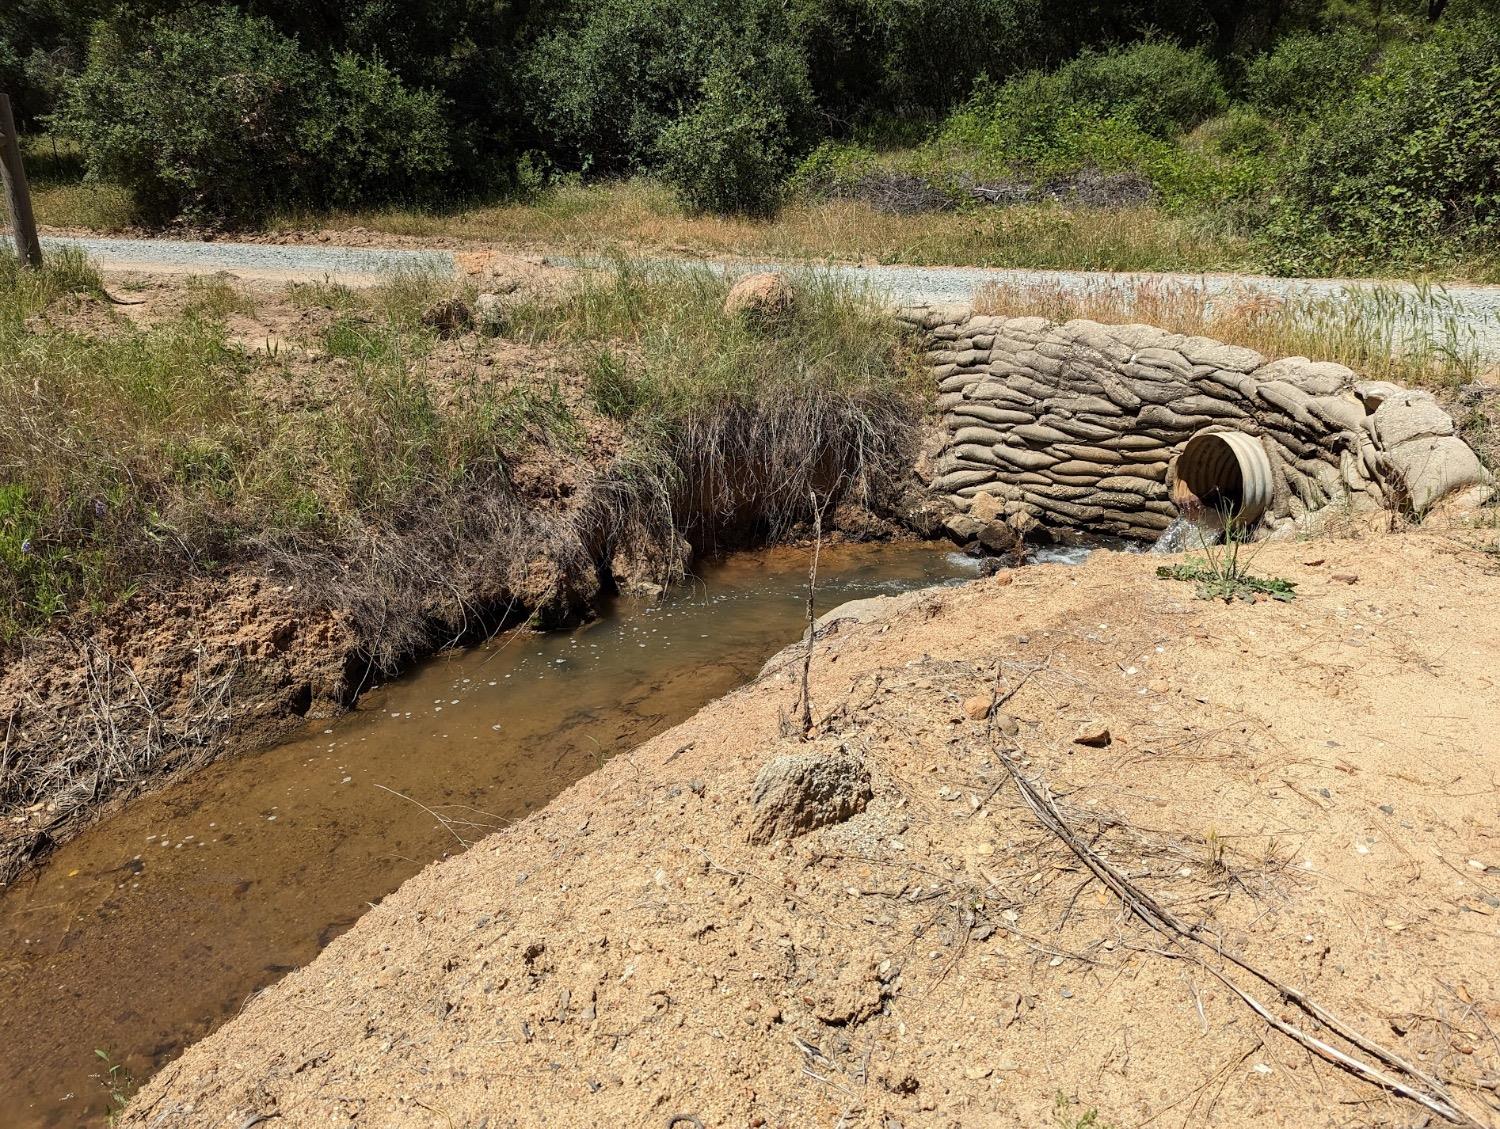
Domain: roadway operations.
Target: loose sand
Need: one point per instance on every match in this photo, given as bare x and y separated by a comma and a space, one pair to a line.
1315, 781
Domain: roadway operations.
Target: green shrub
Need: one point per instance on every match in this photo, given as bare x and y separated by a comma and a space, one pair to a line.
1241, 132
374, 136
1113, 110
831, 165
608, 77
216, 116
1159, 86
1306, 70
1407, 169
734, 150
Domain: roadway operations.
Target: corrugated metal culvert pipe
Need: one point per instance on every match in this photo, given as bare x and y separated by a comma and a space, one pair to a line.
1222, 478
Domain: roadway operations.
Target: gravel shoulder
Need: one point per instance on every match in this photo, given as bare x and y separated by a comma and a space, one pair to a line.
1312, 781
1474, 310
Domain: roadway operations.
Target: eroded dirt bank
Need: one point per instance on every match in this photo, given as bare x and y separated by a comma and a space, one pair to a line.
530, 490
1314, 781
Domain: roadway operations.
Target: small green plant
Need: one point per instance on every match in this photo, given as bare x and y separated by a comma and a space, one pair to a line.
117, 1081
1218, 579
1064, 1115
1221, 575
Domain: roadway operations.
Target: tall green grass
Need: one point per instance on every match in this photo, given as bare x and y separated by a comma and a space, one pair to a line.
736, 415
134, 454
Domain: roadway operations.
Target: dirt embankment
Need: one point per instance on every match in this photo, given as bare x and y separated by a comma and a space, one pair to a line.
1314, 782
224, 655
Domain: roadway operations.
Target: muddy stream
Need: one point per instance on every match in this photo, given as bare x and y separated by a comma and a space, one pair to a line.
152, 928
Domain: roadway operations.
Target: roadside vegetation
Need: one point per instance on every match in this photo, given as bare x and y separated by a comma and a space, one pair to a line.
1311, 137
137, 454
1411, 336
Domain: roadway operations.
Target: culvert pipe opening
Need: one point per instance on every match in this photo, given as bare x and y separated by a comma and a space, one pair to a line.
1221, 478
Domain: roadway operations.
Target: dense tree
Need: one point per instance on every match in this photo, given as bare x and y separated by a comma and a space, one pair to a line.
226, 113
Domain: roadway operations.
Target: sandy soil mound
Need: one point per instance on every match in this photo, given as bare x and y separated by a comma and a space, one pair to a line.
1315, 782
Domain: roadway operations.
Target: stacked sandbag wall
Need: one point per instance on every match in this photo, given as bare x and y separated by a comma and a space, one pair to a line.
1074, 426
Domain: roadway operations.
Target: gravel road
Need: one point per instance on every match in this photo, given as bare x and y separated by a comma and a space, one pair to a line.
1460, 315
256, 260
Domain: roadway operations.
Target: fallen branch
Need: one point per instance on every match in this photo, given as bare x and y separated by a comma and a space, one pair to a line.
1436, 1097
812, 620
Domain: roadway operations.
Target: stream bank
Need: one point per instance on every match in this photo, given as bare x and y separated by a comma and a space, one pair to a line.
224, 880
1311, 783
266, 499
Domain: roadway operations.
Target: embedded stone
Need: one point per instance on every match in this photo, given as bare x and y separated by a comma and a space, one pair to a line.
801, 792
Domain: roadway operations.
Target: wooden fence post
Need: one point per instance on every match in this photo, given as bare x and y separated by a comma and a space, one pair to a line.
17, 194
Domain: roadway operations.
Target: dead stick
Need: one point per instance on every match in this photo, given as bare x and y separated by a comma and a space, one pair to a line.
443, 822
1039, 800
812, 590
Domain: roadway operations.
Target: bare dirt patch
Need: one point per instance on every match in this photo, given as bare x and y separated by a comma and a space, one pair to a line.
1314, 783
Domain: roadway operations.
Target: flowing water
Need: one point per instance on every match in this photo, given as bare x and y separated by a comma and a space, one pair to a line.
1183, 536
152, 928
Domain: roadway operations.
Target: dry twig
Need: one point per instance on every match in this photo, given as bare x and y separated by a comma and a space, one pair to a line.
1427, 1090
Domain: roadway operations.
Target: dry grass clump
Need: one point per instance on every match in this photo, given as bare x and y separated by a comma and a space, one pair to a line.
642, 215
1409, 335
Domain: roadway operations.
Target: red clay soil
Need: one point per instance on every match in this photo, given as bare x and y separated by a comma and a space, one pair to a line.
1315, 782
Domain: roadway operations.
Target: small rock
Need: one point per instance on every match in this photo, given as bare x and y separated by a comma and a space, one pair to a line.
800, 792
1092, 734
977, 708
975, 1073
489, 313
